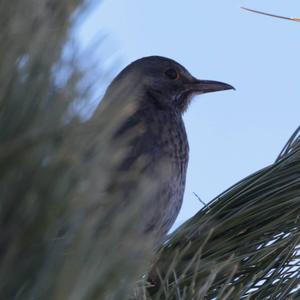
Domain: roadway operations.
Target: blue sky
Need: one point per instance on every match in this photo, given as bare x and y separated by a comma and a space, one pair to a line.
231, 134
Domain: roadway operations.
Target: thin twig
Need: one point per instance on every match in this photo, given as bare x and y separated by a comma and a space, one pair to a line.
271, 15
205, 204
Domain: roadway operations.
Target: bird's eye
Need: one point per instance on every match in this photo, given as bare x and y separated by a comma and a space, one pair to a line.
172, 74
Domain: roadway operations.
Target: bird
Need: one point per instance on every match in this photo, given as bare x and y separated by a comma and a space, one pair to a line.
157, 91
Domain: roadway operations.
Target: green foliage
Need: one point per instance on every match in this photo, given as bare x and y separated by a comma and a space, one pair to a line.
56, 241
33, 182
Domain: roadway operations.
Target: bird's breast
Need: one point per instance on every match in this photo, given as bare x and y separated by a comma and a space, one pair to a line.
168, 127
160, 137
172, 144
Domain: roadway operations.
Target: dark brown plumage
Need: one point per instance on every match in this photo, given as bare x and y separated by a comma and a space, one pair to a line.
160, 91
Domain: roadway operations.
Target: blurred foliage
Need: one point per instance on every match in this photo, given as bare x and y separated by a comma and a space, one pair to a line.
56, 241
31, 112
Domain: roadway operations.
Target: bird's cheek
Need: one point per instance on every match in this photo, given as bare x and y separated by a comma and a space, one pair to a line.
182, 100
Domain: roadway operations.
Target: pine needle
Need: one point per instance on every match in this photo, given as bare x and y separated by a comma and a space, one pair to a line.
271, 15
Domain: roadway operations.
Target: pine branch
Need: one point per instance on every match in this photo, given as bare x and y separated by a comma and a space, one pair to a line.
245, 244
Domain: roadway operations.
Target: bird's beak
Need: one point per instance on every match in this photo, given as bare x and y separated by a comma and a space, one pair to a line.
208, 86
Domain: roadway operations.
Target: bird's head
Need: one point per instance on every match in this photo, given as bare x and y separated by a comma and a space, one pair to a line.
166, 82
